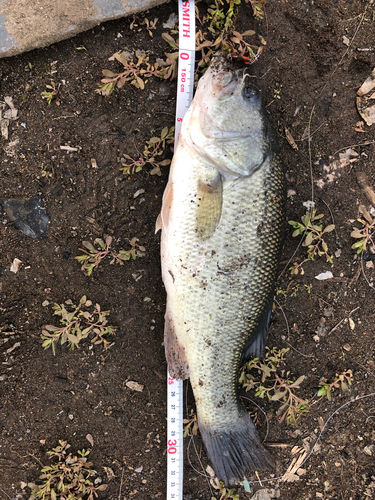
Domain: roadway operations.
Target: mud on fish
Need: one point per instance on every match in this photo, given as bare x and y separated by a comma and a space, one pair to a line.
222, 224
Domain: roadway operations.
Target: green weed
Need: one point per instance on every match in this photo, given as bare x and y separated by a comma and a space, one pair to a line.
135, 72
276, 388
51, 93
70, 478
364, 233
312, 238
191, 424
77, 324
342, 381
92, 256
154, 148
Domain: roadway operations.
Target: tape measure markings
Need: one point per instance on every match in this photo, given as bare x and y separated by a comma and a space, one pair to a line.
185, 91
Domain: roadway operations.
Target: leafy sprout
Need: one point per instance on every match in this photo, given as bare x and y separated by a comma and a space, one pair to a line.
51, 93
312, 232
154, 148
77, 324
364, 233
342, 380
135, 72
272, 385
92, 257
70, 478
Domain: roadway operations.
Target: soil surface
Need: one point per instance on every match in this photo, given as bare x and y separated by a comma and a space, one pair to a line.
309, 76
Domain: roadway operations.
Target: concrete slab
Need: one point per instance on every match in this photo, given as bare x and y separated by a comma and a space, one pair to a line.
30, 24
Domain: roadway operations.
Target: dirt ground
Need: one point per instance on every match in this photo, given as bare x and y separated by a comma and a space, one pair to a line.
307, 74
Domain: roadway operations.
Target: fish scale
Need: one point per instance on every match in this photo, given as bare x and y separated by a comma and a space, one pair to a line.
222, 228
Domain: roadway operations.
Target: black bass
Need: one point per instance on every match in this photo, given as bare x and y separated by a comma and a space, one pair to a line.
222, 224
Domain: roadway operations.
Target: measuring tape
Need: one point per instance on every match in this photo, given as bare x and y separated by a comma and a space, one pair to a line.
186, 62
185, 90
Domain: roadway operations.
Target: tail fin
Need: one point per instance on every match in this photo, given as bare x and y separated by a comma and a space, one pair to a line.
235, 451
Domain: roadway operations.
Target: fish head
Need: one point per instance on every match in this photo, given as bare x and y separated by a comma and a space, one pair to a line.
226, 122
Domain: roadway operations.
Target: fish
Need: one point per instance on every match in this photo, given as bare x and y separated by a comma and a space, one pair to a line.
222, 222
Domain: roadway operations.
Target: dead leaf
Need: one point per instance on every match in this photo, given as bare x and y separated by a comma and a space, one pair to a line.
134, 386
90, 439
210, 471
334, 170
110, 473
365, 107
290, 139
367, 85
291, 474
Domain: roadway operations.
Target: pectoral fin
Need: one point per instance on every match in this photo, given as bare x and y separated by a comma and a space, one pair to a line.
174, 352
209, 204
163, 217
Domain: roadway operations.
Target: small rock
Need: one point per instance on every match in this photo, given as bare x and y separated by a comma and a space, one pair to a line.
3, 377
139, 469
15, 265
324, 276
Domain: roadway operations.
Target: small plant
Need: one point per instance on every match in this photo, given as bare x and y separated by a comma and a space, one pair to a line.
364, 233
277, 93
154, 147
92, 256
77, 325
191, 424
224, 492
258, 6
136, 73
46, 174
342, 381
150, 25
70, 478
277, 388
171, 63
51, 93
221, 15
312, 238
370, 488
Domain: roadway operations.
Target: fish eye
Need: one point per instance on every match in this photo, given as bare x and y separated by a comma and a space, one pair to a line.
252, 94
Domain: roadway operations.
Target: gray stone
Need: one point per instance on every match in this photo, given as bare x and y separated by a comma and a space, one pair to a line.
30, 24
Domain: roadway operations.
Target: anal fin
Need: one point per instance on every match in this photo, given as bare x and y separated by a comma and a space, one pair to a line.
254, 347
174, 352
